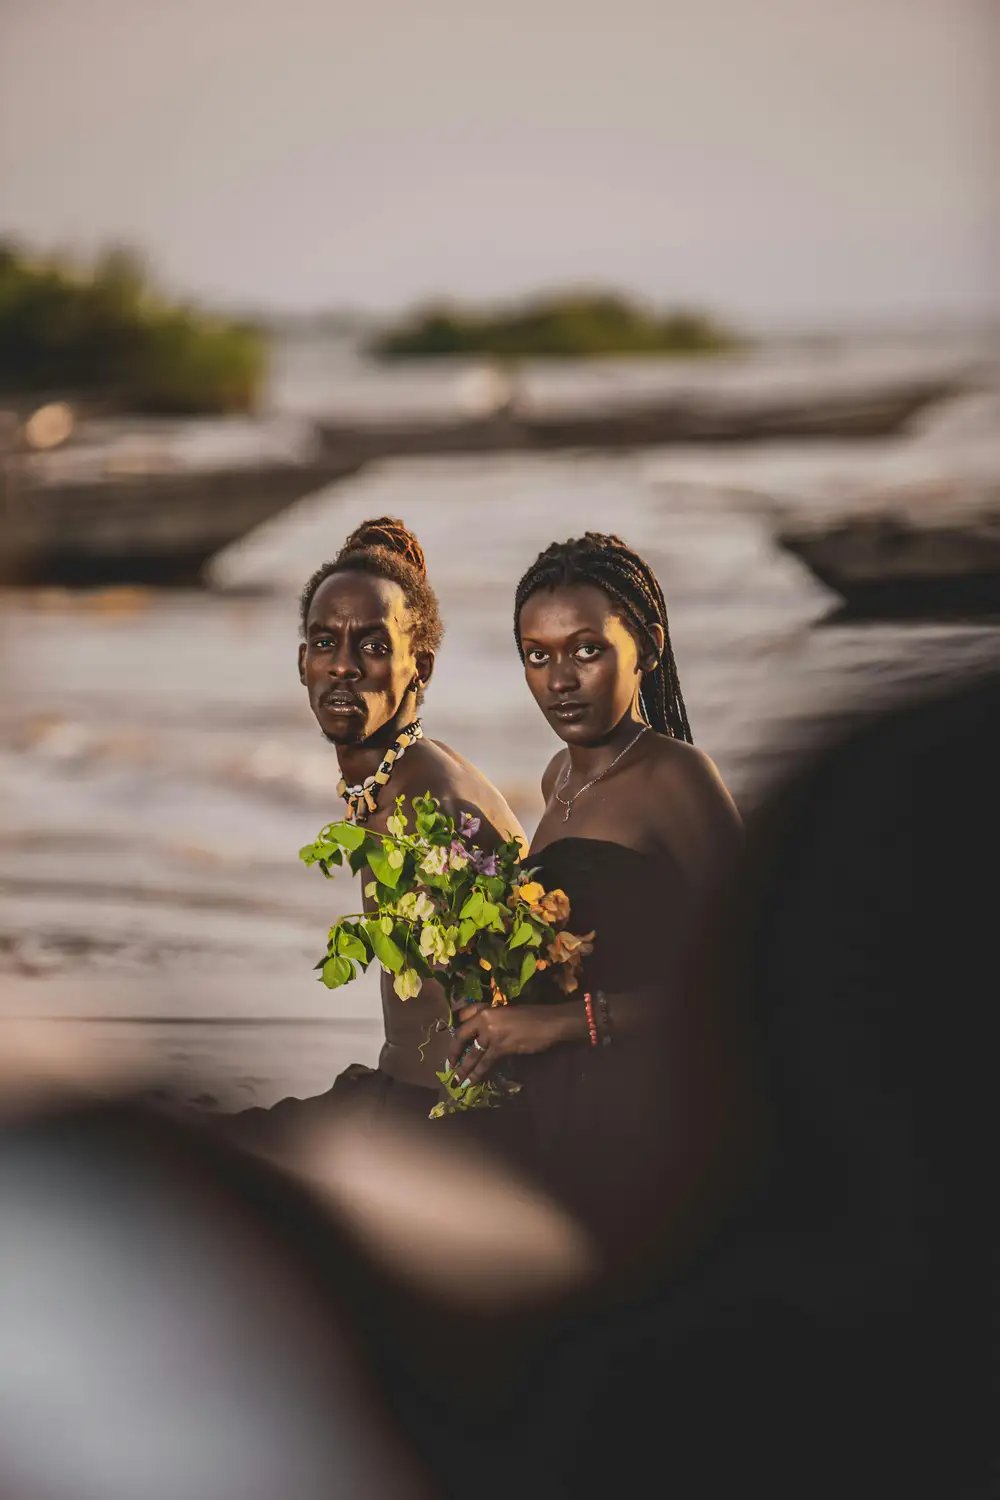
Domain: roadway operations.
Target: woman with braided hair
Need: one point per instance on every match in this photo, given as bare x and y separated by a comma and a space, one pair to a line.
640, 832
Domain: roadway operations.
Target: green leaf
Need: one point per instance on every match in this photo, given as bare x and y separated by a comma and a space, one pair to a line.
321, 853
521, 935
351, 946
537, 933
471, 987
467, 930
384, 872
388, 953
348, 835
358, 858
493, 950
528, 967
473, 909
337, 971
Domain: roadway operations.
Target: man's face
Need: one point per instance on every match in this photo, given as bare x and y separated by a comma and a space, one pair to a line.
357, 661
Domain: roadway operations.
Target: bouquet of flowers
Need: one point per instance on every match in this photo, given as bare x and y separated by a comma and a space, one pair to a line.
443, 908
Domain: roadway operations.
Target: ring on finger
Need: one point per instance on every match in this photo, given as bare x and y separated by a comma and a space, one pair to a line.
478, 1044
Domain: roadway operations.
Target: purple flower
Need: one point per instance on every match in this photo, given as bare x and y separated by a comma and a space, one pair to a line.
458, 855
483, 863
468, 826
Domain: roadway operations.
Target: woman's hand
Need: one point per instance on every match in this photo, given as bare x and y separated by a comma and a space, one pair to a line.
488, 1033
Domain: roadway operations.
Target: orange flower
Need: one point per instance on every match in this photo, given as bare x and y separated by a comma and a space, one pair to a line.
567, 952
567, 948
553, 908
499, 998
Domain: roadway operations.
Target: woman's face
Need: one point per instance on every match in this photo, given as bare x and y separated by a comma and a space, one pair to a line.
582, 662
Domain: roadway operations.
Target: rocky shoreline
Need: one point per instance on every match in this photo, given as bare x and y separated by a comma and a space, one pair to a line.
927, 549
136, 500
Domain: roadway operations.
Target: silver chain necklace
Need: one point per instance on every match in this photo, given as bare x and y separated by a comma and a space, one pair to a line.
567, 803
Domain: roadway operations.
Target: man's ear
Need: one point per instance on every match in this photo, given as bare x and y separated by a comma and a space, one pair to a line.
650, 658
302, 663
425, 666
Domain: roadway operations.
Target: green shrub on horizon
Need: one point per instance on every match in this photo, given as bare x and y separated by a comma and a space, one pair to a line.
567, 325
100, 330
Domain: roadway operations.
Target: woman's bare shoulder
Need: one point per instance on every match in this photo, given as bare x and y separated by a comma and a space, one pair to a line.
552, 772
690, 808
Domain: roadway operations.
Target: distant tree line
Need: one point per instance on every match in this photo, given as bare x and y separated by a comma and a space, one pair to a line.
101, 330
570, 325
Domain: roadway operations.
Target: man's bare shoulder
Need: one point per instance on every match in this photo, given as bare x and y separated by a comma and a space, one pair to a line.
461, 787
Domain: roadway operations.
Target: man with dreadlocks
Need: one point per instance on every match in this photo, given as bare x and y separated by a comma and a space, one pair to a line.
370, 629
641, 834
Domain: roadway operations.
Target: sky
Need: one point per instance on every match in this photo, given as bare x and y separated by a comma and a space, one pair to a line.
784, 162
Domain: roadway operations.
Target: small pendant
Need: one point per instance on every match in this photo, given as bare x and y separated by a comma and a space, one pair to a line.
569, 809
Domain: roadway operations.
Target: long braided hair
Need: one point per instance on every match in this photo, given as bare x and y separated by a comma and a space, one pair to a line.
628, 580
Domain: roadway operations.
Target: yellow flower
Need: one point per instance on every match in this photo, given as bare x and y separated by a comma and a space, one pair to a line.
396, 826
416, 906
530, 892
485, 964
407, 984
394, 859
435, 861
437, 943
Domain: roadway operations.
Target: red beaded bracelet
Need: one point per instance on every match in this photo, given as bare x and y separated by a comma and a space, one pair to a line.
591, 1027
604, 1029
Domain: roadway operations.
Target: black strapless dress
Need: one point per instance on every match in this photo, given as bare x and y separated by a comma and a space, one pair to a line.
591, 1125
606, 1131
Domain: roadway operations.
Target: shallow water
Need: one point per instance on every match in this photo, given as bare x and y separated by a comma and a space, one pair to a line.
161, 769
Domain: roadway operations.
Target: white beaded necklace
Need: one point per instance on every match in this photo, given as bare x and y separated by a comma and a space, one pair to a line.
362, 800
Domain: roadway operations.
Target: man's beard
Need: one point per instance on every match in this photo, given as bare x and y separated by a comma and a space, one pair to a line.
343, 739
